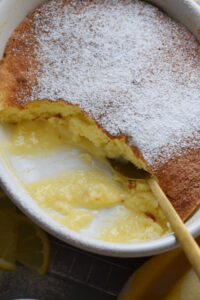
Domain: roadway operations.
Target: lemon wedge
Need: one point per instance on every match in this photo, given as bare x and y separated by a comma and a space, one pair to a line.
33, 248
21, 240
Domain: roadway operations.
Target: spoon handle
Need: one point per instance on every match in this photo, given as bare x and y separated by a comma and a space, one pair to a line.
188, 243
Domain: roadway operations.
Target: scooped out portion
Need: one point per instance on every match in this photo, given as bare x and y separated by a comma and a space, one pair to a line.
78, 197
74, 126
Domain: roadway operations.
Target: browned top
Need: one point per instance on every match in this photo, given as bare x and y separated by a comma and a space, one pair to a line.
180, 180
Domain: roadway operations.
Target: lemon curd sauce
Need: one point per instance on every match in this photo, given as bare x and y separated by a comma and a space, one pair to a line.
74, 198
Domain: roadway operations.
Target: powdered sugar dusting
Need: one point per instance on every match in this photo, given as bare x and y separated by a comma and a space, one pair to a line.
126, 64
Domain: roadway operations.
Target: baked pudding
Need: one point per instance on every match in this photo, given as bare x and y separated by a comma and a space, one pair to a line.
118, 79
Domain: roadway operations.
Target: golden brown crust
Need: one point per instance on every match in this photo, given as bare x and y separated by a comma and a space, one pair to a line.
180, 180
16, 66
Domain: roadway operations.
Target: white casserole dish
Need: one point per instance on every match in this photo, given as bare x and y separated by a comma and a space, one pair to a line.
12, 12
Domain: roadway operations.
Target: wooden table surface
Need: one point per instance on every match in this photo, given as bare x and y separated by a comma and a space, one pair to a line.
73, 275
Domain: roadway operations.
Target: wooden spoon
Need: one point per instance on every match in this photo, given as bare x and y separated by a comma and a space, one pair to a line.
188, 243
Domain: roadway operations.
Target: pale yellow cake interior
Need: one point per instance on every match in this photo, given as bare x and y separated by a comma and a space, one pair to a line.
81, 129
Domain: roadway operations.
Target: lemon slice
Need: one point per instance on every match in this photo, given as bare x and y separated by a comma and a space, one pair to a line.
21, 240
32, 246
